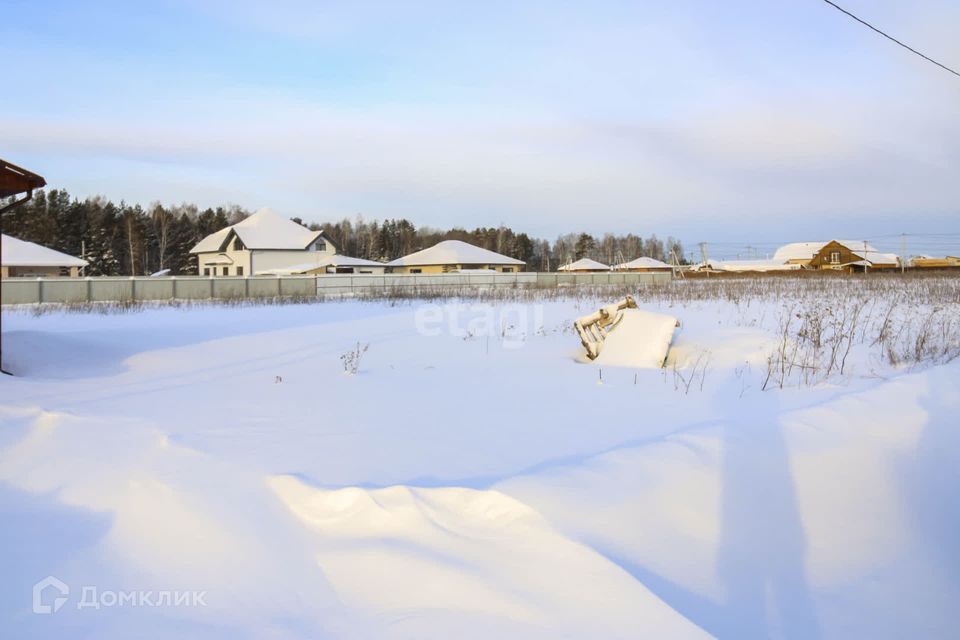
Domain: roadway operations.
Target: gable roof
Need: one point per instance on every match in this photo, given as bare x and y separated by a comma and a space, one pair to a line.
453, 252
807, 250
867, 253
584, 264
20, 253
643, 262
265, 229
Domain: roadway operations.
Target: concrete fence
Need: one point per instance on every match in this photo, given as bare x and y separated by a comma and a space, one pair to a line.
113, 289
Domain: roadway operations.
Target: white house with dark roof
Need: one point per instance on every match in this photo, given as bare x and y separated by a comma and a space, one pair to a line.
263, 243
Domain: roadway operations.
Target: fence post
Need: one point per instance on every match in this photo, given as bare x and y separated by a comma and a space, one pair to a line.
173, 288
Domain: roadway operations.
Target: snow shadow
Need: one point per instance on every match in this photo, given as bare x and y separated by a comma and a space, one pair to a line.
762, 546
931, 481
40, 536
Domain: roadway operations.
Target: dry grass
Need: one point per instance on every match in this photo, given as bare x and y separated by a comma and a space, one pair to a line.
895, 321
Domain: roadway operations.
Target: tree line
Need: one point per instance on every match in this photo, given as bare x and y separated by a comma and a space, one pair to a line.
124, 239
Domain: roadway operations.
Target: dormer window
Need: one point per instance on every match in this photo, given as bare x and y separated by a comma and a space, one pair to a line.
319, 245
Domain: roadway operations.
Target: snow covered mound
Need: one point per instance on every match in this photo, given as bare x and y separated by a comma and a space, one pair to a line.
641, 340
472, 564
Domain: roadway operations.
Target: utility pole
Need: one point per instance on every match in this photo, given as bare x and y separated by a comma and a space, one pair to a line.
903, 253
703, 257
676, 265
865, 261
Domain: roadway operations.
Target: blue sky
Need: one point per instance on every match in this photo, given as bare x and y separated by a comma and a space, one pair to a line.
746, 121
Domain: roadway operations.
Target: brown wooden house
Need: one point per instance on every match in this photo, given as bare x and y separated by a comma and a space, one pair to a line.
852, 256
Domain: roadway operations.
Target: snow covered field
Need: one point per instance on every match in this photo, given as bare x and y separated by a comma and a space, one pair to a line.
476, 479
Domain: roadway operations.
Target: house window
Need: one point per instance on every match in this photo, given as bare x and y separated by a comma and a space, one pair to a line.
507, 270
416, 270
319, 245
834, 257
64, 271
226, 271
239, 271
206, 271
447, 268
238, 244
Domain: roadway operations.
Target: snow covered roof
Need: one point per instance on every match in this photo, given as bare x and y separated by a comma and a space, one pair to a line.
878, 257
798, 251
20, 253
584, 264
806, 251
923, 257
453, 252
643, 263
348, 261
751, 265
265, 229
322, 262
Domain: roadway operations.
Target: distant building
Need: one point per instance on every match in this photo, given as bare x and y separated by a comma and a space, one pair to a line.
643, 264
800, 253
454, 256
334, 264
750, 266
266, 242
848, 255
933, 262
584, 265
28, 259
852, 256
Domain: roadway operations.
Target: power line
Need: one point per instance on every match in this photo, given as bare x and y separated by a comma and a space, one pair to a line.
889, 37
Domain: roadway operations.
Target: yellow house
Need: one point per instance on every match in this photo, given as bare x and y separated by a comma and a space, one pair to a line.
31, 260
264, 243
932, 262
452, 256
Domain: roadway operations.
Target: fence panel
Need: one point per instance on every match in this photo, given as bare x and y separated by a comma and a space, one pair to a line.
117, 289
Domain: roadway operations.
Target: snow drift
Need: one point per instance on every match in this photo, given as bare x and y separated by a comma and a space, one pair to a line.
423, 498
